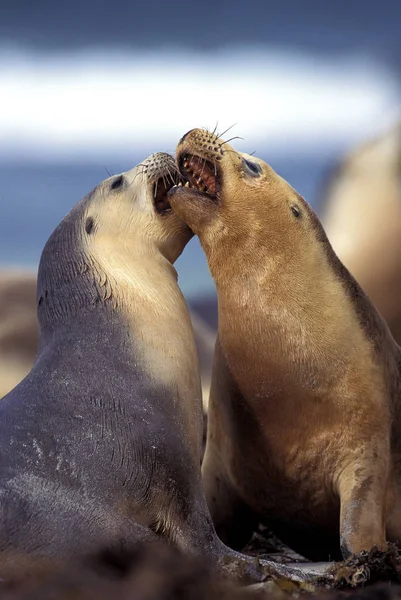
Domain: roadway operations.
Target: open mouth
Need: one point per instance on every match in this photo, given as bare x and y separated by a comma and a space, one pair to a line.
161, 187
199, 174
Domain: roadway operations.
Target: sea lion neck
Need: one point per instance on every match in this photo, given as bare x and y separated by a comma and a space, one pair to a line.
74, 280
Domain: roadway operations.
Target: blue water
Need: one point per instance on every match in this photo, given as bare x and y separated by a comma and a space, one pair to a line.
35, 197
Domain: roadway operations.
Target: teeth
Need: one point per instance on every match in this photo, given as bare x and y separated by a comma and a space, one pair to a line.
179, 184
187, 184
199, 181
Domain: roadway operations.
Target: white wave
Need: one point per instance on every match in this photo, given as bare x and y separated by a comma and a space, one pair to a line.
87, 104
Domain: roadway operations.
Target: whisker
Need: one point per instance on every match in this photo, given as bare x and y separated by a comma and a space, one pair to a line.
168, 176
229, 150
141, 172
170, 152
108, 172
224, 132
236, 137
203, 168
207, 129
173, 170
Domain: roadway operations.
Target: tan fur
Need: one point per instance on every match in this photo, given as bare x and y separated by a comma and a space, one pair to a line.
362, 218
132, 284
303, 382
135, 284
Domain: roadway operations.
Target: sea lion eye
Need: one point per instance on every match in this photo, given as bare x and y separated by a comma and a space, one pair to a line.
89, 224
295, 210
117, 182
252, 168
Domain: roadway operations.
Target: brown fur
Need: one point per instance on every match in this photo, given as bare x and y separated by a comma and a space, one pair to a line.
304, 419
362, 218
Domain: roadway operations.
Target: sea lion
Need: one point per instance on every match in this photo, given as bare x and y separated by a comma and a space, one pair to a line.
101, 442
19, 335
361, 213
19, 332
18, 327
304, 428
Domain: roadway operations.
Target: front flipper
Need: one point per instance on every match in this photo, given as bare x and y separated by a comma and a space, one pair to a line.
363, 495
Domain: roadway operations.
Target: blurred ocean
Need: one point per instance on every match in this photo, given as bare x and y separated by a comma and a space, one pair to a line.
68, 117
35, 197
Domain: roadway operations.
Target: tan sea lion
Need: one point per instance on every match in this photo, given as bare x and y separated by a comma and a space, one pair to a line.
304, 413
101, 442
361, 213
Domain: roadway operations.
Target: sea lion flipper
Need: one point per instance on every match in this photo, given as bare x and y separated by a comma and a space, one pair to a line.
253, 569
363, 485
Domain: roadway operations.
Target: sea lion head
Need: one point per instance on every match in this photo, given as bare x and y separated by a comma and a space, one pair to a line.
121, 234
132, 209
236, 202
